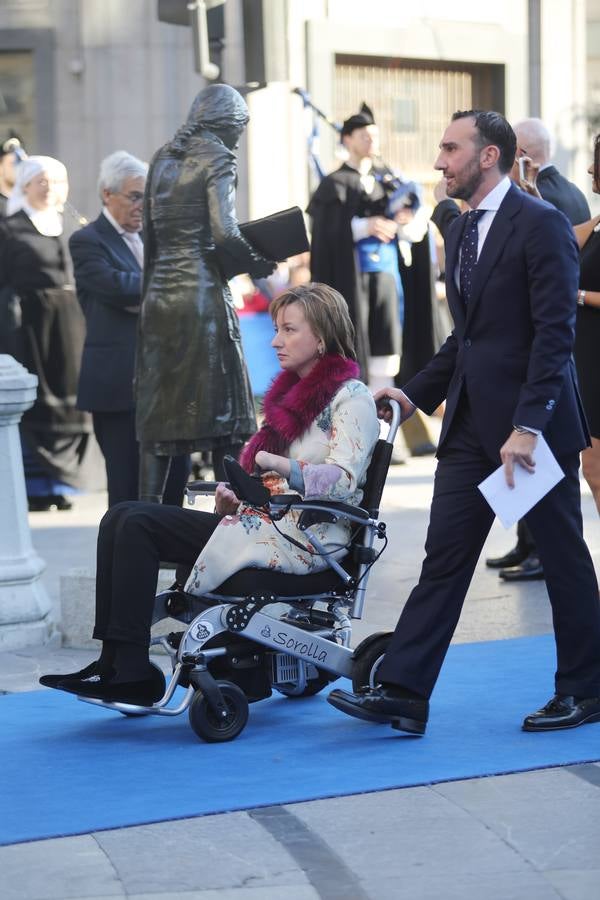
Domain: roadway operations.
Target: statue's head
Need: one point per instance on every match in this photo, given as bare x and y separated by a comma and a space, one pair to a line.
222, 110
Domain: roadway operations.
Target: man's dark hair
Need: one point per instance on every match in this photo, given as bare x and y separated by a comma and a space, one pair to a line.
596, 175
493, 129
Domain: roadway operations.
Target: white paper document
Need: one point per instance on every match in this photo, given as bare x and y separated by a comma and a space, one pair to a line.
511, 504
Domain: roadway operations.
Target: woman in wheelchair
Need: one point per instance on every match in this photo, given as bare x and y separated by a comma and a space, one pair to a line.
320, 429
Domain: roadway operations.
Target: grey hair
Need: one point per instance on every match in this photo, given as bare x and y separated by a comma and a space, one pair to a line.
538, 140
114, 169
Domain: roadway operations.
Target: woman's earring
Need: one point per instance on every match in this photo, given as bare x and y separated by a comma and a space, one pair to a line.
321, 350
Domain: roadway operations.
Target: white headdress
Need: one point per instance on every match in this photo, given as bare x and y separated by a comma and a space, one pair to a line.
47, 221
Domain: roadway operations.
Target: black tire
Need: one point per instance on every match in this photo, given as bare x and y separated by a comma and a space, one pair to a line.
208, 726
367, 658
314, 686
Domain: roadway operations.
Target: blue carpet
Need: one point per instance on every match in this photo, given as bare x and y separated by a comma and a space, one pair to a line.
69, 768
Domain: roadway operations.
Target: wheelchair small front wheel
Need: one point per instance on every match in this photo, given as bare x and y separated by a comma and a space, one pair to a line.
212, 728
367, 659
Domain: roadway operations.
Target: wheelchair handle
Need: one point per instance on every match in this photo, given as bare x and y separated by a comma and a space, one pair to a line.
204, 487
396, 418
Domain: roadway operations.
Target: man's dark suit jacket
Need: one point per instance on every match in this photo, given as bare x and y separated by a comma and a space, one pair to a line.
108, 280
512, 348
563, 194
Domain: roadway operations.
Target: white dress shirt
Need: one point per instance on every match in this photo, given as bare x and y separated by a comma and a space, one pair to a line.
131, 238
491, 204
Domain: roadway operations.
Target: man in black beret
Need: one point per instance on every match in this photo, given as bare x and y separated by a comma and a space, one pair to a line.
354, 248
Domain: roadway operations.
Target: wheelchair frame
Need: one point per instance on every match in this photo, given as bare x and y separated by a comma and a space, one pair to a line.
236, 648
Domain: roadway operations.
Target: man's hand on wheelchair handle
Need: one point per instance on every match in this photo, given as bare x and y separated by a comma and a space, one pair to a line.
383, 409
226, 502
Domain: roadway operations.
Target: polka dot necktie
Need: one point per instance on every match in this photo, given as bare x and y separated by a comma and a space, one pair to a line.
468, 253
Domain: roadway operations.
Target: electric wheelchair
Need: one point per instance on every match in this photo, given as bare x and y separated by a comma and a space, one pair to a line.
263, 630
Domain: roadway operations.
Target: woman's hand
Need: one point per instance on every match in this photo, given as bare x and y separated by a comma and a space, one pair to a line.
271, 462
226, 502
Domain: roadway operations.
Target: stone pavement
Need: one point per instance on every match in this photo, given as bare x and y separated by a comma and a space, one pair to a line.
532, 835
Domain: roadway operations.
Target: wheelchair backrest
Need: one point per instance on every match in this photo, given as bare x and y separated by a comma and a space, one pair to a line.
376, 477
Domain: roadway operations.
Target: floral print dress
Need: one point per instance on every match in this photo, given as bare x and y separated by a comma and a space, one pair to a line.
333, 455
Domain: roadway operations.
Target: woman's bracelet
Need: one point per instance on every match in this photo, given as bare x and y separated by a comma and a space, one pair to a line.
581, 298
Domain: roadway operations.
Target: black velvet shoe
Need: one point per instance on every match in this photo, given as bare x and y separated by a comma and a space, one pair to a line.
48, 502
62, 503
530, 569
143, 692
380, 705
52, 681
564, 712
514, 557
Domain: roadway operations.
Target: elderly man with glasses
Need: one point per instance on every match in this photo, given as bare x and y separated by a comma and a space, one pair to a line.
108, 257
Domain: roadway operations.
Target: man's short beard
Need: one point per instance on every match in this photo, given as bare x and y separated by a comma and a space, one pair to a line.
466, 190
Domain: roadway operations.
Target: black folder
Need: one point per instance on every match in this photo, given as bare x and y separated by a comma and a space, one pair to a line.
276, 237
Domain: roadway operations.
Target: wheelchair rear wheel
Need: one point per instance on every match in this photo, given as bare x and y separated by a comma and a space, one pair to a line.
208, 725
367, 659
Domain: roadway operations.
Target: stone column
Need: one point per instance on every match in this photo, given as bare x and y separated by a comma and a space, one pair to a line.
24, 604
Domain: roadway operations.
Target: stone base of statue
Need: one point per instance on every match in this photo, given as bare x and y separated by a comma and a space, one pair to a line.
24, 605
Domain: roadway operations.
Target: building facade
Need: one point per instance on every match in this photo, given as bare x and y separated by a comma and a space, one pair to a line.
81, 78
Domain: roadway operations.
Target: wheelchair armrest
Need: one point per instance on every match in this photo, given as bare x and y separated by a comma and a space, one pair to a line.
203, 487
327, 507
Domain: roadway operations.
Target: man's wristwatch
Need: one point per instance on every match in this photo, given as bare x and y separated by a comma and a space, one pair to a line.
581, 298
522, 430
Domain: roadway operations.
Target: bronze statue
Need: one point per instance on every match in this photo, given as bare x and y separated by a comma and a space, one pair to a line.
192, 387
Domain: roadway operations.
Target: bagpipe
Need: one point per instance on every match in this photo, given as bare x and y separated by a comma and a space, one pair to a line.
401, 193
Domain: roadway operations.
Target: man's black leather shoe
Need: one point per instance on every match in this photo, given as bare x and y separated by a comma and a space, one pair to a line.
530, 569
563, 712
514, 557
380, 705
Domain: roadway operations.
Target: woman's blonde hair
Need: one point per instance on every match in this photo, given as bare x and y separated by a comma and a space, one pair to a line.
326, 312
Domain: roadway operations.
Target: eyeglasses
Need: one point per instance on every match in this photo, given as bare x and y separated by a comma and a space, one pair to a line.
133, 197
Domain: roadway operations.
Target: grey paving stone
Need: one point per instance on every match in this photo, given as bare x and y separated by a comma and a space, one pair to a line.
505, 885
63, 869
415, 831
214, 852
302, 892
551, 818
573, 884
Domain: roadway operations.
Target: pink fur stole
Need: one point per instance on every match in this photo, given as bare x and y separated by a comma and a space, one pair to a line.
291, 405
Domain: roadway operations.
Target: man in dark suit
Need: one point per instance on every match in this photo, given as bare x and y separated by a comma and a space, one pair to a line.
108, 259
522, 562
507, 375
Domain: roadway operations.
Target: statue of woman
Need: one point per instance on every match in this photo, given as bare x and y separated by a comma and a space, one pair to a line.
192, 387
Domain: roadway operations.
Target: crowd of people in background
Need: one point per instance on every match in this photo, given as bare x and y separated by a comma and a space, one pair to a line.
71, 292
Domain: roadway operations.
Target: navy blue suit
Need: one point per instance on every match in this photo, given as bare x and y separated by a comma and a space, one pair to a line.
109, 284
508, 361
